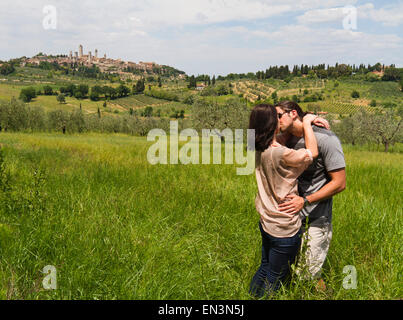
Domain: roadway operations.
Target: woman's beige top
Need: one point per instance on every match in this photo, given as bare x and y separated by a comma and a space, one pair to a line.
277, 170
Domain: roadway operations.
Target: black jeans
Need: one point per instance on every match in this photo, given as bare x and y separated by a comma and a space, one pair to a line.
277, 256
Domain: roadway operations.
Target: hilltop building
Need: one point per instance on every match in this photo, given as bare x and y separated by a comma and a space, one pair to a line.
114, 66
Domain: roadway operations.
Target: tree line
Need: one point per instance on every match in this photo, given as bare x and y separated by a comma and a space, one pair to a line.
18, 116
322, 71
379, 127
82, 91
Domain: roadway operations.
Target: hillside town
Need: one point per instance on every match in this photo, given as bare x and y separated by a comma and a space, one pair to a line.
125, 69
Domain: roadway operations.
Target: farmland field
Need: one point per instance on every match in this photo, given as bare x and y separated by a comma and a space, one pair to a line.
117, 227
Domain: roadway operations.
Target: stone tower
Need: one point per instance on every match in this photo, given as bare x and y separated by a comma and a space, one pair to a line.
96, 53
80, 50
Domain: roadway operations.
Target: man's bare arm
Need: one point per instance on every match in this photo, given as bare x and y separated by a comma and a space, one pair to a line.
336, 185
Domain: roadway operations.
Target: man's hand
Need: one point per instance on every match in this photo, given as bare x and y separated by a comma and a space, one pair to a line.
337, 184
294, 204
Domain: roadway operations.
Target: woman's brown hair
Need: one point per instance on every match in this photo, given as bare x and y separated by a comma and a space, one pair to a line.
263, 119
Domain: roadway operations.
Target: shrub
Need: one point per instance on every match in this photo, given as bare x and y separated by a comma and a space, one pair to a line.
27, 94
189, 99
58, 119
148, 112
6, 69
61, 98
78, 95
355, 94
208, 91
94, 95
222, 90
47, 90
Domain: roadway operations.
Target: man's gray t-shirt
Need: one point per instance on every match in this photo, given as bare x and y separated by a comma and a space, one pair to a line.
330, 158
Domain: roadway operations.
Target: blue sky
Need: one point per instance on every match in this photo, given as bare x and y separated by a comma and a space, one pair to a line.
210, 36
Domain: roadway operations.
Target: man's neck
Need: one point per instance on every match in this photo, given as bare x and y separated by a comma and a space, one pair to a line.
297, 129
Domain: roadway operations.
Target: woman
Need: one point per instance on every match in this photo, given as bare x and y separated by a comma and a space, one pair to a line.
277, 170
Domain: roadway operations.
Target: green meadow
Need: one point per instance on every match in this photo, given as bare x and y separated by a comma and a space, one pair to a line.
117, 227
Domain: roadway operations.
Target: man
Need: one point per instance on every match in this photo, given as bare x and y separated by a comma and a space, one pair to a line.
324, 178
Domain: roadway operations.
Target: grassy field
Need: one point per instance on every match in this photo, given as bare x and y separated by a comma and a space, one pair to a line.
116, 227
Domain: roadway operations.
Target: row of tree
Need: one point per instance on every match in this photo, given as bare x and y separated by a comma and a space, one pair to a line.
382, 127
200, 78
219, 90
82, 91
379, 127
391, 73
207, 114
162, 94
17, 116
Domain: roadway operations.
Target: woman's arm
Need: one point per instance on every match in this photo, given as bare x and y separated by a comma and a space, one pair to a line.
320, 122
309, 136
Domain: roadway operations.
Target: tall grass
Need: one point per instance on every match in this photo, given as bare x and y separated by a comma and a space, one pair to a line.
116, 227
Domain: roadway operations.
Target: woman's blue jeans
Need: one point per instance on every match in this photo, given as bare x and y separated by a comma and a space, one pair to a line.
278, 254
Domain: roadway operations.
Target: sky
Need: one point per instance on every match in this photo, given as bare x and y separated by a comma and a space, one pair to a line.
214, 37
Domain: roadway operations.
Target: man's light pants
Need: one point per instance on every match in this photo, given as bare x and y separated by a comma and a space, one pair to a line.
314, 247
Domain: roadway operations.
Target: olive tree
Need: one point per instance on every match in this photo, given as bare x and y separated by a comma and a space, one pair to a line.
386, 126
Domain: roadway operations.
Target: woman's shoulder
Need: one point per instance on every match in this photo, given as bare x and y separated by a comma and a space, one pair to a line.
274, 150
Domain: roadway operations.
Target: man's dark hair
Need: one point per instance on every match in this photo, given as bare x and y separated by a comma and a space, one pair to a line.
263, 119
288, 106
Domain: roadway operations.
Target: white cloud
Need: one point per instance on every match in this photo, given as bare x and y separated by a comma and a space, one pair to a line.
321, 15
333, 14
201, 12
391, 15
201, 36
210, 52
